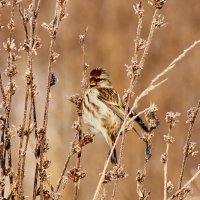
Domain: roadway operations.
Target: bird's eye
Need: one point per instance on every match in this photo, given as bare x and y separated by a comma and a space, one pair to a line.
99, 79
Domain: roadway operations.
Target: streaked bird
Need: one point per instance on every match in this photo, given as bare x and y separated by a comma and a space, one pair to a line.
103, 110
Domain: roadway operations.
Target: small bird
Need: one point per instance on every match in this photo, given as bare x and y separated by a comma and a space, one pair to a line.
103, 110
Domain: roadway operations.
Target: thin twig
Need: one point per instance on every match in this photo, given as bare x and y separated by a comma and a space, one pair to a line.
166, 164
2, 89
83, 86
185, 185
185, 156
149, 40
53, 35
173, 63
65, 166
36, 148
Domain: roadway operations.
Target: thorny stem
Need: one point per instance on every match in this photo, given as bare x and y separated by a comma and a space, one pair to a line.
185, 156
186, 185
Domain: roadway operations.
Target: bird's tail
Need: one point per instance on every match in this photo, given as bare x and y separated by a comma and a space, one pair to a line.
113, 158
140, 122
111, 140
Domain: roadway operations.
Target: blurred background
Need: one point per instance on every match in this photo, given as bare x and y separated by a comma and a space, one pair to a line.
110, 43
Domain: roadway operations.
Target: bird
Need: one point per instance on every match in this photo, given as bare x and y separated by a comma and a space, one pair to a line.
103, 110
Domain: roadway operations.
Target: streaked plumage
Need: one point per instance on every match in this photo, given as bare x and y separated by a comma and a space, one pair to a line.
103, 110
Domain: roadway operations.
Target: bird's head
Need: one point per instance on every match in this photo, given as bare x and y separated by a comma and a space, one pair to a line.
99, 78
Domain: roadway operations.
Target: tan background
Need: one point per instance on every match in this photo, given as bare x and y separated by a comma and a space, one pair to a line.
110, 43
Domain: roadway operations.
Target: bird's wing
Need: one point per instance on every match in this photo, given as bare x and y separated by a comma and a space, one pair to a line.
112, 99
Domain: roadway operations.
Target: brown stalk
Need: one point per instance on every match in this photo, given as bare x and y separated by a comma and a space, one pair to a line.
65, 167
185, 185
166, 163
130, 89
185, 156
2, 142
7, 103
79, 131
83, 86
53, 34
37, 145
30, 39
19, 189
45, 120
149, 40
2, 89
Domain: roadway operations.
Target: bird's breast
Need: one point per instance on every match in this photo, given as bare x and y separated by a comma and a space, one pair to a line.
98, 116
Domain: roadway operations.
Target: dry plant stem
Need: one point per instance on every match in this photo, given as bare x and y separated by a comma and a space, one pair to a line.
78, 163
130, 89
114, 189
19, 189
138, 33
119, 161
149, 40
145, 53
83, 86
2, 139
36, 139
166, 164
63, 172
29, 92
185, 185
10, 62
22, 151
53, 35
173, 63
152, 85
65, 166
45, 120
80, 134
185, 156
2, 89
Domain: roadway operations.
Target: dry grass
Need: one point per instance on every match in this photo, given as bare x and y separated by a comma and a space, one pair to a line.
35, 133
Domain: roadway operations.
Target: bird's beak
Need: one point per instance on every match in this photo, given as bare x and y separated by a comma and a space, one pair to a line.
93, 83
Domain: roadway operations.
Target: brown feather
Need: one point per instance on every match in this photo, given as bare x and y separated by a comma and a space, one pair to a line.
111, 98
